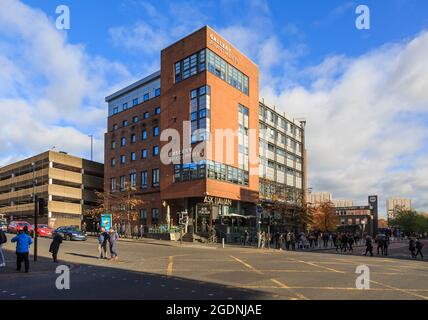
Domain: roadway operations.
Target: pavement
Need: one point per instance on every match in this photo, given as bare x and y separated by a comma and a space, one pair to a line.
162, 270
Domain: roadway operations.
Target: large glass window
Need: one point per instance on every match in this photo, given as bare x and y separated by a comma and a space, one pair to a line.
190, 66
200, 113
211, 170
227, 72
243, 139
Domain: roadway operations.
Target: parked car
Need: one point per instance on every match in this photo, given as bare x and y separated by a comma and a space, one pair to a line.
3, 226
15, 226
43, 230
70, 233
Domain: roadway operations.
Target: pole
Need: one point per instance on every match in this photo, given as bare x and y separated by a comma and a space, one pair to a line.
92, 146
35, 201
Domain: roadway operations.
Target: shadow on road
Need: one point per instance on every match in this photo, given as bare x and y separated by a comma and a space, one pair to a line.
93, 282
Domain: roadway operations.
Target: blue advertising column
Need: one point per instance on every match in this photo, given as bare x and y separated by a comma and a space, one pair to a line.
106, 221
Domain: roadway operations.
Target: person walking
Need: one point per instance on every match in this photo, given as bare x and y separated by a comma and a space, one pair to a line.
288, 241
54, 247
277, 243
136, 232
101, 248
351, 243
379, 242
293, 241
385, 245
106, 241
369, 246
113, 239
419, 245
412, 247
84, 227
3, 240
263, 239
128, 230
246, 237
141, 231
338, 244
23, 242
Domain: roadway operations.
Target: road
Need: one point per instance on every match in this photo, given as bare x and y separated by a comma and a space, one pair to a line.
161, 270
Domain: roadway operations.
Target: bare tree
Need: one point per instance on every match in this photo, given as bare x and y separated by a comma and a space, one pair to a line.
123, 205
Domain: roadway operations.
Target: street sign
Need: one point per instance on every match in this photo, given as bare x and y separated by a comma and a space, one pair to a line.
259, 209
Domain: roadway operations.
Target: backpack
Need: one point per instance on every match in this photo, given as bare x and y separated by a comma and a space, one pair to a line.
3, 238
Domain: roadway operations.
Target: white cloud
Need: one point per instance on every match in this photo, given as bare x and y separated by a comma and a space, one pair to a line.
54, 88
358, 140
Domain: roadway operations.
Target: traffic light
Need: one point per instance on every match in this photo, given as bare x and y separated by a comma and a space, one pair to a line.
41, 205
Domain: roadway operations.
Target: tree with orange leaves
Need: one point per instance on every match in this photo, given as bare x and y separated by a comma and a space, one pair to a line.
324, 217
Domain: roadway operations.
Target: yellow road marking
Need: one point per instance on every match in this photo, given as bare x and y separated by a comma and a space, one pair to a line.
317, 265
280, 284
247, 265
284, 286
330, 288
401, 290
170, 264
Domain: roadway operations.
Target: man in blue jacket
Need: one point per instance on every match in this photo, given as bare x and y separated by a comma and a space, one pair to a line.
23, 242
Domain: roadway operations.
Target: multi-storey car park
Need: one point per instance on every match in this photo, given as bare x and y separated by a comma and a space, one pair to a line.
67, 183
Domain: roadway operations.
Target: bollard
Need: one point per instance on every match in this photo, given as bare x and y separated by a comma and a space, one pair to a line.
222, 241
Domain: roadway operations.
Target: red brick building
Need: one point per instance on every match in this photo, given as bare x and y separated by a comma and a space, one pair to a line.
204, 85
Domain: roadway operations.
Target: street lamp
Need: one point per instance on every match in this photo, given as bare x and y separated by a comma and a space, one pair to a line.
92, 145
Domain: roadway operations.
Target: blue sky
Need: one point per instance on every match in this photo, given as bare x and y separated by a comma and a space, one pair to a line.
363, 92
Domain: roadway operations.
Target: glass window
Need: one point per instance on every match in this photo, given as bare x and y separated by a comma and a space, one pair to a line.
133, 179
122, 181
115, 127
135, 119
146, 115
113, 145
157, 110
146, 97
155, 150
115, 110
124, 123
144, 135
157, 92
155, 131
113, 162
133, 158
133, 138
135, 102
144, 179
123, 141
143, 216
113, 184
125, 106
155, 216
122, 159
144, 154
